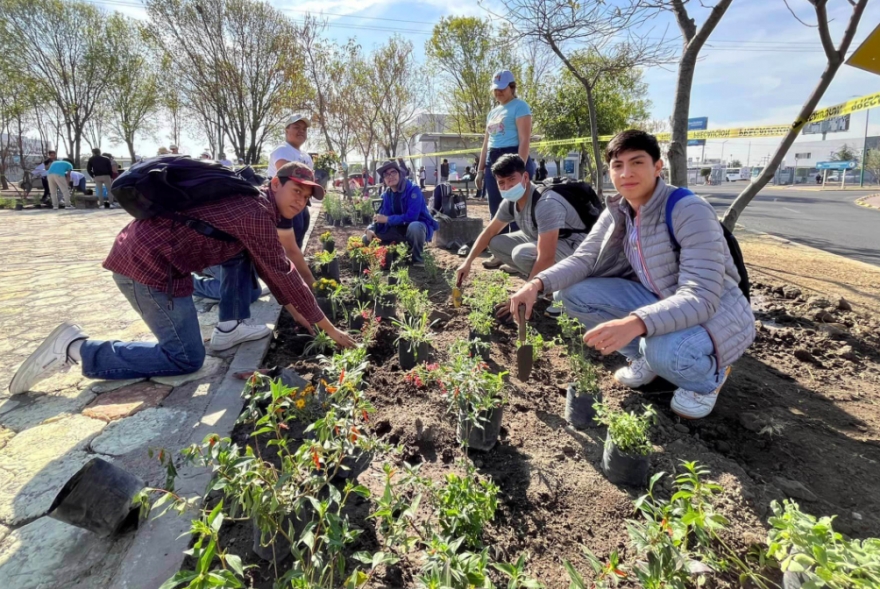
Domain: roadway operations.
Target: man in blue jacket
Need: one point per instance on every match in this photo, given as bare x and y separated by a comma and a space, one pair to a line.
404, 215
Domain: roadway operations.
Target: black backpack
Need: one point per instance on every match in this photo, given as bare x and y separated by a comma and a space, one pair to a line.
450, 204
164, 186
578, 194
732, 244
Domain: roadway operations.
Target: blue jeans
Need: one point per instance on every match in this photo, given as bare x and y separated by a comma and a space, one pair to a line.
685, 358
301, 225
490, 185
179, 350
234, 284
415, 235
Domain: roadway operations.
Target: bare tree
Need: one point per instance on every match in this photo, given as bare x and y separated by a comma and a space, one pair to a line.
133, 98
835, 57
693, 39
239, 57
600, 29
46, 38
394, 62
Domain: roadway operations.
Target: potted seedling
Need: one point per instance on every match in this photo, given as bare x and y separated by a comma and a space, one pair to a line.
582, 393
321, 344
328, 244
358, 314
359, 254
326, 291
413, 340
365, 210
328, 264
479, 335
811, 554
414, 301
472, 392
626, 458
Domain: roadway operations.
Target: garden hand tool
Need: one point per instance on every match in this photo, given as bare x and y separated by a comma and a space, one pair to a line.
456, 293
524, 358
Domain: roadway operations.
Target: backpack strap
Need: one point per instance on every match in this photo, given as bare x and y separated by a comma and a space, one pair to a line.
677, 195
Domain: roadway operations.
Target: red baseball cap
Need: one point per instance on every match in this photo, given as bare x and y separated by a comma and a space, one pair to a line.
301, 174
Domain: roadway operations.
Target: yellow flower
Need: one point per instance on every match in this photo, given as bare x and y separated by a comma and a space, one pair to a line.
300, 403
308, 390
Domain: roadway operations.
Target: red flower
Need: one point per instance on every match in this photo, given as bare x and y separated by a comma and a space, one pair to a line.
366, 271
316, 459
283, 426
354, 435
364, 413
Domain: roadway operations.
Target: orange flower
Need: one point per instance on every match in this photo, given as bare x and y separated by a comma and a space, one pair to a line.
283, 426
316, 459
364, 414
354, 435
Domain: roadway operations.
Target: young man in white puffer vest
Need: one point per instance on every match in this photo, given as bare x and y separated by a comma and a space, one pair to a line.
675, 312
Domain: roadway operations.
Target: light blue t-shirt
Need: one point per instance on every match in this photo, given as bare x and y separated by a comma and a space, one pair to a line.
60, 167
501, 123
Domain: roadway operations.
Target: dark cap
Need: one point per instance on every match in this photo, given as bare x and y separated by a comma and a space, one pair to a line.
301, 174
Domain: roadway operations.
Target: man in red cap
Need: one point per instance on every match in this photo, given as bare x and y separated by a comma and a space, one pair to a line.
152, 262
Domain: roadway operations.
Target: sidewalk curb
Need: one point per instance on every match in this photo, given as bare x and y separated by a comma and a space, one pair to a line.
156, 553
863, 201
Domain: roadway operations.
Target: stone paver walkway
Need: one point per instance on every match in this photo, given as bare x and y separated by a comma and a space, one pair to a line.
50, 271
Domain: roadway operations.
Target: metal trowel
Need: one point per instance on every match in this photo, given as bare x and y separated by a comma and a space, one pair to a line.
456, 293
524, 358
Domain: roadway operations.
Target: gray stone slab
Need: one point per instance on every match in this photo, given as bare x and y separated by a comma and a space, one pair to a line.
36, 463
138, 431
33, 409
211, 366
4, 531
48, 554
106, 386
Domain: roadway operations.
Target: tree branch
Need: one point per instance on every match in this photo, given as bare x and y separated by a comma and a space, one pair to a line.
824, 34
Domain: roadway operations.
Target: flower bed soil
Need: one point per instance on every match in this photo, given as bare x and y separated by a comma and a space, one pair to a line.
799, 417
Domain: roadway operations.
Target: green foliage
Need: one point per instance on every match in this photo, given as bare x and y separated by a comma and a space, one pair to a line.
516, 574
563, 110
805, 544
320, 344
468, 51
606, 575
431, 268
465, 504
628, 431
327, 161
488, 290
324, 258
846, 153
872, 163
414, 329
326, 237
583, 375
414, 300
447, 566
536, 340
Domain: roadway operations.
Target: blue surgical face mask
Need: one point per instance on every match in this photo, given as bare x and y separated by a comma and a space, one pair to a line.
514, 193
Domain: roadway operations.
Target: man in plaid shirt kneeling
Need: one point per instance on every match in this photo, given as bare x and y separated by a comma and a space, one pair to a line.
152, 262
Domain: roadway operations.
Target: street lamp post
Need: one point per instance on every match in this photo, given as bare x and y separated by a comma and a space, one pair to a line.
722, 150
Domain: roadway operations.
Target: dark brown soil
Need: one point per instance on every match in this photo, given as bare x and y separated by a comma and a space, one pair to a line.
798, 408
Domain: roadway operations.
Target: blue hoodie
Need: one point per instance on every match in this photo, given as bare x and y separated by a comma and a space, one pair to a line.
403, 208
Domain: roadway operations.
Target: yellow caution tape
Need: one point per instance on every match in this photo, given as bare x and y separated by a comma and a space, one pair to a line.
850, 106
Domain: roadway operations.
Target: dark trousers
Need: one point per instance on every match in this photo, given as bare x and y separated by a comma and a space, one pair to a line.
45, 182
301, 225
234, 283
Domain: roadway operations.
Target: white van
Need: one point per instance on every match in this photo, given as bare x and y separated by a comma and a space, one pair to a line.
733, 174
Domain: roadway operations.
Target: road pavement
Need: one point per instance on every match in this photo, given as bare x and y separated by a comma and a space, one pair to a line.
827, 220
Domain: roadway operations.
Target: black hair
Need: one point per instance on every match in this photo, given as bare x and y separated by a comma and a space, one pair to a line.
444, 160
632, 140
508, 165
96, 151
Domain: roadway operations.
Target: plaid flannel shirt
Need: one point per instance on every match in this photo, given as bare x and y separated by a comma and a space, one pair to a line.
158, 250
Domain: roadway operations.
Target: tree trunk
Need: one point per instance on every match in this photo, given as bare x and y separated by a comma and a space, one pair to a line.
594, 134
745, 197
130, 145
836, 58
677, 154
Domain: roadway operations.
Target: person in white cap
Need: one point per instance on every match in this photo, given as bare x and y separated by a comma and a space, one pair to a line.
508, 130
296, 131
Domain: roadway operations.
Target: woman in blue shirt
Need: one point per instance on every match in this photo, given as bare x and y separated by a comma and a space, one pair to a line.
508, 130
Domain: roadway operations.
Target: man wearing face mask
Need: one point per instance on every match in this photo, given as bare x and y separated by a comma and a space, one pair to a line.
553, 234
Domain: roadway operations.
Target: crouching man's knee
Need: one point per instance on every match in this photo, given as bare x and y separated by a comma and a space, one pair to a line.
416, 230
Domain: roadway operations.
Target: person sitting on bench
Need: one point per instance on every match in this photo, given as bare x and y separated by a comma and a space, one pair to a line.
152, 262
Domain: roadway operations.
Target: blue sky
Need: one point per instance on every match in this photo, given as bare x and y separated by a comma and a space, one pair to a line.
759, 66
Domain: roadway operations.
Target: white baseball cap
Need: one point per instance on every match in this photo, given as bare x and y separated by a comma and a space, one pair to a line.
296, 118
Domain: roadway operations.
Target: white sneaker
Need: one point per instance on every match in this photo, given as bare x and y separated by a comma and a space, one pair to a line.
223, 340
691, 405
49, 358
636, 375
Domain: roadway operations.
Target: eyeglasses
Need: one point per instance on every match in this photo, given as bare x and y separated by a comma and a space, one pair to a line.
390, 174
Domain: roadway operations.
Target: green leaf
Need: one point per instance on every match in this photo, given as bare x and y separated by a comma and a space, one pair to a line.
364, 557
178, 579
234, 562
